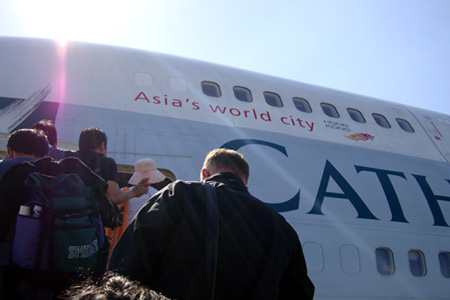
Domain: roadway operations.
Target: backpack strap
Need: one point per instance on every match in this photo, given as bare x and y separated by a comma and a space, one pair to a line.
212, 236
46, 239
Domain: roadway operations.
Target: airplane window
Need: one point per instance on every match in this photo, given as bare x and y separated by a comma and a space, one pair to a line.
381, 120
350, 259
356, 115
329, 110
177, 83
273, 99
417, 263
242, 94
385, 261
211, 89
302, 104
143, 79
314, 256
444, 262
405, 125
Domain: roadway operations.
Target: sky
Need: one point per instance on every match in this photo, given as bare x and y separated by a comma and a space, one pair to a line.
395, 50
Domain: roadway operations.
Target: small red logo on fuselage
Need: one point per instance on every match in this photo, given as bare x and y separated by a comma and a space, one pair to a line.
360, 137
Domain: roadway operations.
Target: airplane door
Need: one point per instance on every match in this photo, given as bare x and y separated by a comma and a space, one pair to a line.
125, 147
438, 129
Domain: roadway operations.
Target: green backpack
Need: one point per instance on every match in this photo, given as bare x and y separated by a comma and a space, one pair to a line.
61, 229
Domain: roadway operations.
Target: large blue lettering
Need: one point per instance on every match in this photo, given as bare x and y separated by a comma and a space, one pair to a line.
348, 193
389, 191
291, 204
432, 200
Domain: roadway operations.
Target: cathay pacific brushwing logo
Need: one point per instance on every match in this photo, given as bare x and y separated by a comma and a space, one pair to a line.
360, 137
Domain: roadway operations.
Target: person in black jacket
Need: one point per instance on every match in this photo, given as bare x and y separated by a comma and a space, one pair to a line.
259, 254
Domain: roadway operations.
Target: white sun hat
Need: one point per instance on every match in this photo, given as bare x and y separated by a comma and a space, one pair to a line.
143, 168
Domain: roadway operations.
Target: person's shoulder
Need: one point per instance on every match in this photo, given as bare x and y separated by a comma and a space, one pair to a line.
15, 171
56, 153
4, 163
10, 162
182, 184
107, 159
103, 160
181, 189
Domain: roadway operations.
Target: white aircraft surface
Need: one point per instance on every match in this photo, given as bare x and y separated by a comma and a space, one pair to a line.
364, 182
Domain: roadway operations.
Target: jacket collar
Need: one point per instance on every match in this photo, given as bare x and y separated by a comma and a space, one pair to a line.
230, 179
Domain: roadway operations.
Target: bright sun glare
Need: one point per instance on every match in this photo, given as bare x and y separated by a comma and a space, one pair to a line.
83, 20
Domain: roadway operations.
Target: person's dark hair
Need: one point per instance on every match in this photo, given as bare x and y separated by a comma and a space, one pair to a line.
49, 128
111, 287
91, 139
28, 141
223, 159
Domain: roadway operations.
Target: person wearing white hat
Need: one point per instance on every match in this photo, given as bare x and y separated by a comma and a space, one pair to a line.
143, 168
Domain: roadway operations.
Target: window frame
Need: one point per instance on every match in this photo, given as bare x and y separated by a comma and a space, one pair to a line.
350, 259
405, 125
304, 102
385, 261
211, 84
444, 263
278, 101
381, 120
352, 112
143, 79
417, 267
244, 90
330, 110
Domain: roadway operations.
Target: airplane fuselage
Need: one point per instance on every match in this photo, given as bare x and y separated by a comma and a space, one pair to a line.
364, 182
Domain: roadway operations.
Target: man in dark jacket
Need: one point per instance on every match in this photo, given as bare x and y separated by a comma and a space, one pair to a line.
259, 254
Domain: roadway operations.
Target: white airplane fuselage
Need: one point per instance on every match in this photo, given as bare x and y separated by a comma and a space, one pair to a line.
370, 202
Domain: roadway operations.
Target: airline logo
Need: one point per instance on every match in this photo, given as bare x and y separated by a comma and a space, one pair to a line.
360, 137
332, 178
